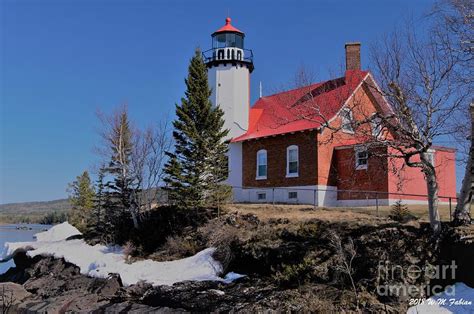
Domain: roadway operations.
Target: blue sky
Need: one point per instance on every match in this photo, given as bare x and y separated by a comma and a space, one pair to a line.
61, 61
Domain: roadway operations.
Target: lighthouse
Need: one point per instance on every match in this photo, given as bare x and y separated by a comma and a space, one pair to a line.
229, 66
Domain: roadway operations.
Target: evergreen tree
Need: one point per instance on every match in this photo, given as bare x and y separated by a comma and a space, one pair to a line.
82, 201
199, 163
120, 140
96, 223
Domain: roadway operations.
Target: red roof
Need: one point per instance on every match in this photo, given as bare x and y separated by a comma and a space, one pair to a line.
228, 27
301, 109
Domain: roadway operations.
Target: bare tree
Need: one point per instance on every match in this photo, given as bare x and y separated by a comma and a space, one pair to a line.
418, 80
135, 160
147, 162
428, 81
462, 214
455, 31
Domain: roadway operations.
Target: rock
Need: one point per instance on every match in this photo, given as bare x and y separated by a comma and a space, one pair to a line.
192, 296
75, 237
74, 301
256, 249
12, 294
132, 293
127, 307
109, 288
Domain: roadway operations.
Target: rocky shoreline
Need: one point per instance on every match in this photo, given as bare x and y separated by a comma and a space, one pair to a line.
45, 284
274, 255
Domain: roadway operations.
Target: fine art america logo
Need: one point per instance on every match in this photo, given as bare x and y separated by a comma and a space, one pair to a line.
415, 282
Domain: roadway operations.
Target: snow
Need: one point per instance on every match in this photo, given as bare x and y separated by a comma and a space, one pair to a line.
100, 261
231, 276
461, 301
57, 233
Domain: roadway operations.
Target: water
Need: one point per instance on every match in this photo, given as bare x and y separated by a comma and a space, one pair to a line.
17, 233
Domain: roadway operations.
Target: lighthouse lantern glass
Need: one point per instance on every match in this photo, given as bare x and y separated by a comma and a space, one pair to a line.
224, 40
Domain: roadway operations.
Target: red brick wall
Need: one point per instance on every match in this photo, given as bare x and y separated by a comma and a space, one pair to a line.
446, 173
374, 178
276, 160
411, 180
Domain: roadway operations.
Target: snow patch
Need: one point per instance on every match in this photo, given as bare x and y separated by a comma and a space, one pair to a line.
57, 233
100, 261
461, 301
231, 276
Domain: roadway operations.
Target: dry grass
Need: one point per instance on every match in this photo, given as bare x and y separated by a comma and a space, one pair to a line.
306, 212
299, 212
420, 211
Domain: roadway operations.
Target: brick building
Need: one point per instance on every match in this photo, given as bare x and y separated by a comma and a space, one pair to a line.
300, 145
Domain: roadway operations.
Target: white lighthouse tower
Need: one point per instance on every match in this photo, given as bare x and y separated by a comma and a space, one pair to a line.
229, 66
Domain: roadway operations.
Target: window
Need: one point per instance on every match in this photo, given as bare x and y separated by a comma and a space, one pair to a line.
362, 158
239, 41
376, 124
347, 120
261, 196
231, 40
292, 161
261, 164
219, 41
292, 195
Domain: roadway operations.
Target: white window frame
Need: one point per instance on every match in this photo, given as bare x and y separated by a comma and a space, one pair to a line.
257, 176
288, 149
361, 149
347, 118
376, 126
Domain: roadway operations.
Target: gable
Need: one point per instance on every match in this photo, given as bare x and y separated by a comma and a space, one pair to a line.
305, 108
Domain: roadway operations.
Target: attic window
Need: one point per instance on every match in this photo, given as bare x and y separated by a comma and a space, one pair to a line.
376, 124
347, 120
361, 158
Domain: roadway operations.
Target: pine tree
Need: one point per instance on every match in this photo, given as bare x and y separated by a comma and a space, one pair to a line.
82, 201
120, 141
121, 147
199, 163
96, 222
400, 212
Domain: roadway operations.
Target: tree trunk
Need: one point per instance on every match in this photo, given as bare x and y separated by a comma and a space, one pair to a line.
134, 211
433, 201
463, 208
462, 214
134, 219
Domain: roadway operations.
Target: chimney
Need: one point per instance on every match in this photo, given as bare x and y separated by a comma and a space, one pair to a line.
353, 56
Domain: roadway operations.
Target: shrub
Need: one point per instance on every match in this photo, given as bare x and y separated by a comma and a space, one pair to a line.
308, 229
400, 212
294, 275
129, 249
221, 195
178, 246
